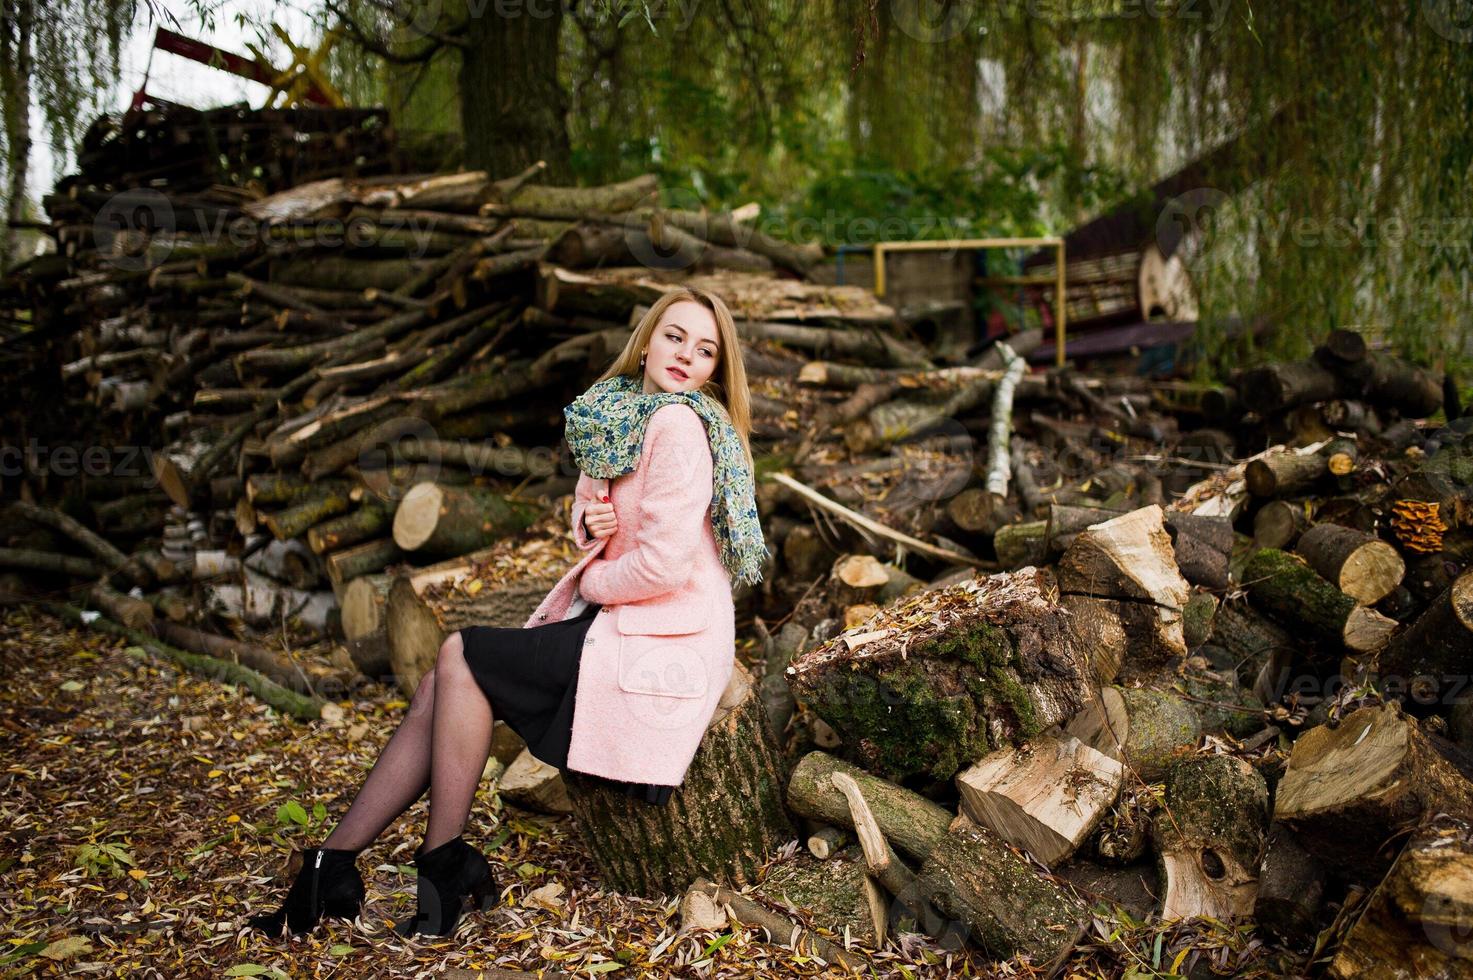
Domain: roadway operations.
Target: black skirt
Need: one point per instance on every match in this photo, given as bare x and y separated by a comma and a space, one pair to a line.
530, 676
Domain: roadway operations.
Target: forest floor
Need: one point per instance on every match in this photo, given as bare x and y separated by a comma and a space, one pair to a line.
146, 813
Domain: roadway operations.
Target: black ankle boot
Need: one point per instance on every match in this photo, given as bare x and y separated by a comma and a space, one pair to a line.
453, 878
327, 883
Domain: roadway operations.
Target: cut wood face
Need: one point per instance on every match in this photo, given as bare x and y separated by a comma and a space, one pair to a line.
1046, 796
1334, 767
417, 516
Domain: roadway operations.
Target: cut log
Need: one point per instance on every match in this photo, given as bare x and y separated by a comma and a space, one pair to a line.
446, 521
1361, 565
1128, 560
907, 820
1415, 924
827, 841
1045, 796
837, 893
1279, 523
1349, 789
132, 613
1291, 889
934, 682
365, 603
1209, 837
1283, 474
428, 604
1007, 908
1286, 586
1428, 661
735, 782
532, 784
1021, 545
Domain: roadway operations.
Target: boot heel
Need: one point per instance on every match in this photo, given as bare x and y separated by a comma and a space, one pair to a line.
483, 896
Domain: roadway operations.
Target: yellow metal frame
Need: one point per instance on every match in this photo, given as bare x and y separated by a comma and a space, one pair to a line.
1057, 244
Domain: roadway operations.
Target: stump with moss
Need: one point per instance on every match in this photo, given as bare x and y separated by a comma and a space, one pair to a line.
932, 683
723, 822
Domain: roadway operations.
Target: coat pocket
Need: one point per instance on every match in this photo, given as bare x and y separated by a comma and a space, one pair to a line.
662, 665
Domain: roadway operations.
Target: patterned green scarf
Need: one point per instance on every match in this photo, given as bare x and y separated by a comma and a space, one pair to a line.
605, 431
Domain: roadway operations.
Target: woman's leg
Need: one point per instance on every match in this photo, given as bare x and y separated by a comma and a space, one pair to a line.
398, 778
462, 742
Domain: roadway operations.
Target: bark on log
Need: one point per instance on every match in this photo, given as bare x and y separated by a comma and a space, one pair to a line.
1429, 659
1361, 565
780, 929
724, 820
1291, 889
1415, 924
1209, 837
908, 820
1349, 789
973, 877
994, 664
1290, 589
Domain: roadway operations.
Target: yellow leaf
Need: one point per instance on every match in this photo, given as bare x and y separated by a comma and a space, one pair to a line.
389, 705
233, 818
137, 874
473, 586
215, 772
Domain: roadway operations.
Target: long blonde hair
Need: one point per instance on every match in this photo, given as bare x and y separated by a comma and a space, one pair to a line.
730, 391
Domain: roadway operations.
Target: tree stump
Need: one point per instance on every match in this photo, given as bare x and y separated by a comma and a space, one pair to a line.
723, 822
1209, 836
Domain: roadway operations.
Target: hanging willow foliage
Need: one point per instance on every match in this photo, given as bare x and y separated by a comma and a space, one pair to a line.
60, 55
1344, 202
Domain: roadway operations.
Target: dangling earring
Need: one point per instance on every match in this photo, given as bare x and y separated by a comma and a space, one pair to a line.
641, 358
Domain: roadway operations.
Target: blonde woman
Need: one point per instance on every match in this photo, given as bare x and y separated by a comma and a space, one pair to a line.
619, 669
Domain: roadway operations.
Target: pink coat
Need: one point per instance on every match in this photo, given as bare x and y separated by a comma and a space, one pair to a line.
659, 654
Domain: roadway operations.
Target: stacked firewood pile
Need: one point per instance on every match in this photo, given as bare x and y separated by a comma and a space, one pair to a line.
1027, 641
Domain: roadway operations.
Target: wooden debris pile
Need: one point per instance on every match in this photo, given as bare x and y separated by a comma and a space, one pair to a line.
1221, 648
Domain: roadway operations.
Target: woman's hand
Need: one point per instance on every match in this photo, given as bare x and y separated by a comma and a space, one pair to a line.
599, 519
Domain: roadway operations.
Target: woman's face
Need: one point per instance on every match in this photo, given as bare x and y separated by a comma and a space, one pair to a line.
683, 349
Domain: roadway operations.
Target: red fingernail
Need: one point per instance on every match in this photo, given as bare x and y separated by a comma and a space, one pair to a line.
605, 498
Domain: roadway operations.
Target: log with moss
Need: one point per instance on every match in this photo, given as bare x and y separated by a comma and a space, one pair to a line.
442, 521
908, 820
933, 682
724, 821
1286, 586
1208, 837
1007, 907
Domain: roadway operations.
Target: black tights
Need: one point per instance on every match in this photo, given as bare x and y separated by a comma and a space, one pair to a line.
441, 745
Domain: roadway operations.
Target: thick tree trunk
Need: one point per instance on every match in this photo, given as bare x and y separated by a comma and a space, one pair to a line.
513, 107
1416, 922
723, 822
